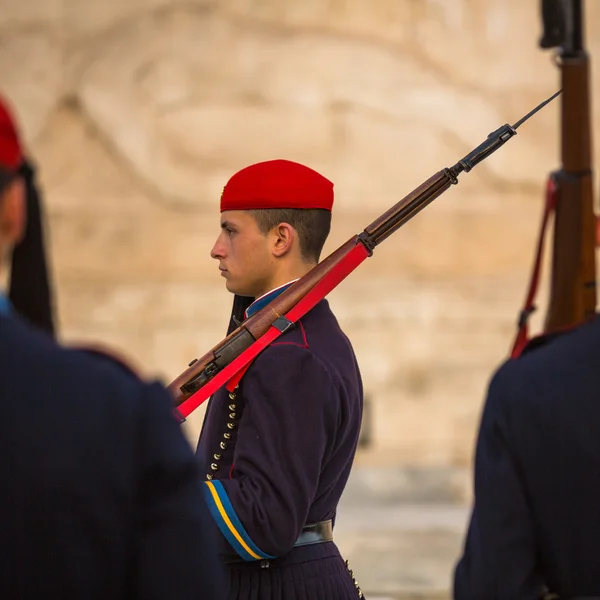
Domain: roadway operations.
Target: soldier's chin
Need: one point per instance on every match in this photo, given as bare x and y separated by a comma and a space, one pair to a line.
235, 289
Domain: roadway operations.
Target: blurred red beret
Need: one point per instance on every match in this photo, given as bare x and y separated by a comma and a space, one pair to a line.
277, 184
10, 148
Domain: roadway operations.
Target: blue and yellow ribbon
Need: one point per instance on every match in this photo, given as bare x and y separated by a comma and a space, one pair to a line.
231, 527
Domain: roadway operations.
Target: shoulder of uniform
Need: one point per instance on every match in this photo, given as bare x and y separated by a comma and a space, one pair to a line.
289, 352
539, 341
109, 355
544, 340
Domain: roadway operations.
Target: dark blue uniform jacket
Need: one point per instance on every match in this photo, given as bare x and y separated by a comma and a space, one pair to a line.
536, 517
100, 495
277, 453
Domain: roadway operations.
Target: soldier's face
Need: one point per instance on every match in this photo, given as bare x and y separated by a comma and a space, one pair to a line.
12, 216
244, 254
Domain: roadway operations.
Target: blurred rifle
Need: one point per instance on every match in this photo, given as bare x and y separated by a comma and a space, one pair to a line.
570, 189
228, 360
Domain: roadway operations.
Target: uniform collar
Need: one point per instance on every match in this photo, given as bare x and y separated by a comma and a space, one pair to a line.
4, 305
263, 300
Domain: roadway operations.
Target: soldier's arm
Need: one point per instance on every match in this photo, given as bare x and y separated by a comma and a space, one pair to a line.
499, 559
174, 554
291, 411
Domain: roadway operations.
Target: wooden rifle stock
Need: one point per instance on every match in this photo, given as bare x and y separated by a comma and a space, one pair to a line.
202, 370
573, 277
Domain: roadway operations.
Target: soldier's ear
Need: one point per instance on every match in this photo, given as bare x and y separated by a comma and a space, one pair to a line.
283, 239
13, 217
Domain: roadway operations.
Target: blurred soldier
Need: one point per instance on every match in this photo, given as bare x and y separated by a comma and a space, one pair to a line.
535, 523
100, 491
30, 291
277, 452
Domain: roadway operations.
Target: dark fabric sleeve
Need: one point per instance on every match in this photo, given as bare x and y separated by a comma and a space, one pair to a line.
175, 555
291, 409
499, 559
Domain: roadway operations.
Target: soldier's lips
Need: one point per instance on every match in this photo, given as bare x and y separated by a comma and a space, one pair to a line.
223, 272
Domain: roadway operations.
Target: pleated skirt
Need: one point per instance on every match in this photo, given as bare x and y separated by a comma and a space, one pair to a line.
323, 578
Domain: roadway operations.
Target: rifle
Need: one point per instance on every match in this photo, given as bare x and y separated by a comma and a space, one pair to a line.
233, 354
570, 195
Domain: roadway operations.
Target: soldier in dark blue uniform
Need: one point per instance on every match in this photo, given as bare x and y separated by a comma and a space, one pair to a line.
535, 524
277, 452
30, 290
101, 497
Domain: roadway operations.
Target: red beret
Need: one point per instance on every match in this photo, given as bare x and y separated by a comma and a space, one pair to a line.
10, 147
277, 184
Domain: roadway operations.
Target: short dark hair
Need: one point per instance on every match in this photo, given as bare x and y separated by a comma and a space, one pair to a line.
6, 177
312, 224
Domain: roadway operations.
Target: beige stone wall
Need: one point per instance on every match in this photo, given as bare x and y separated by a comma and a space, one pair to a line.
137, 112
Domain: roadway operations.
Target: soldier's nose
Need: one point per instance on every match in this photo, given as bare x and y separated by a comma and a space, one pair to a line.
216, 251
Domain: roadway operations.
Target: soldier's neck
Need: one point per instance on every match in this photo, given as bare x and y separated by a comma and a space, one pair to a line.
286, 276
4, 274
